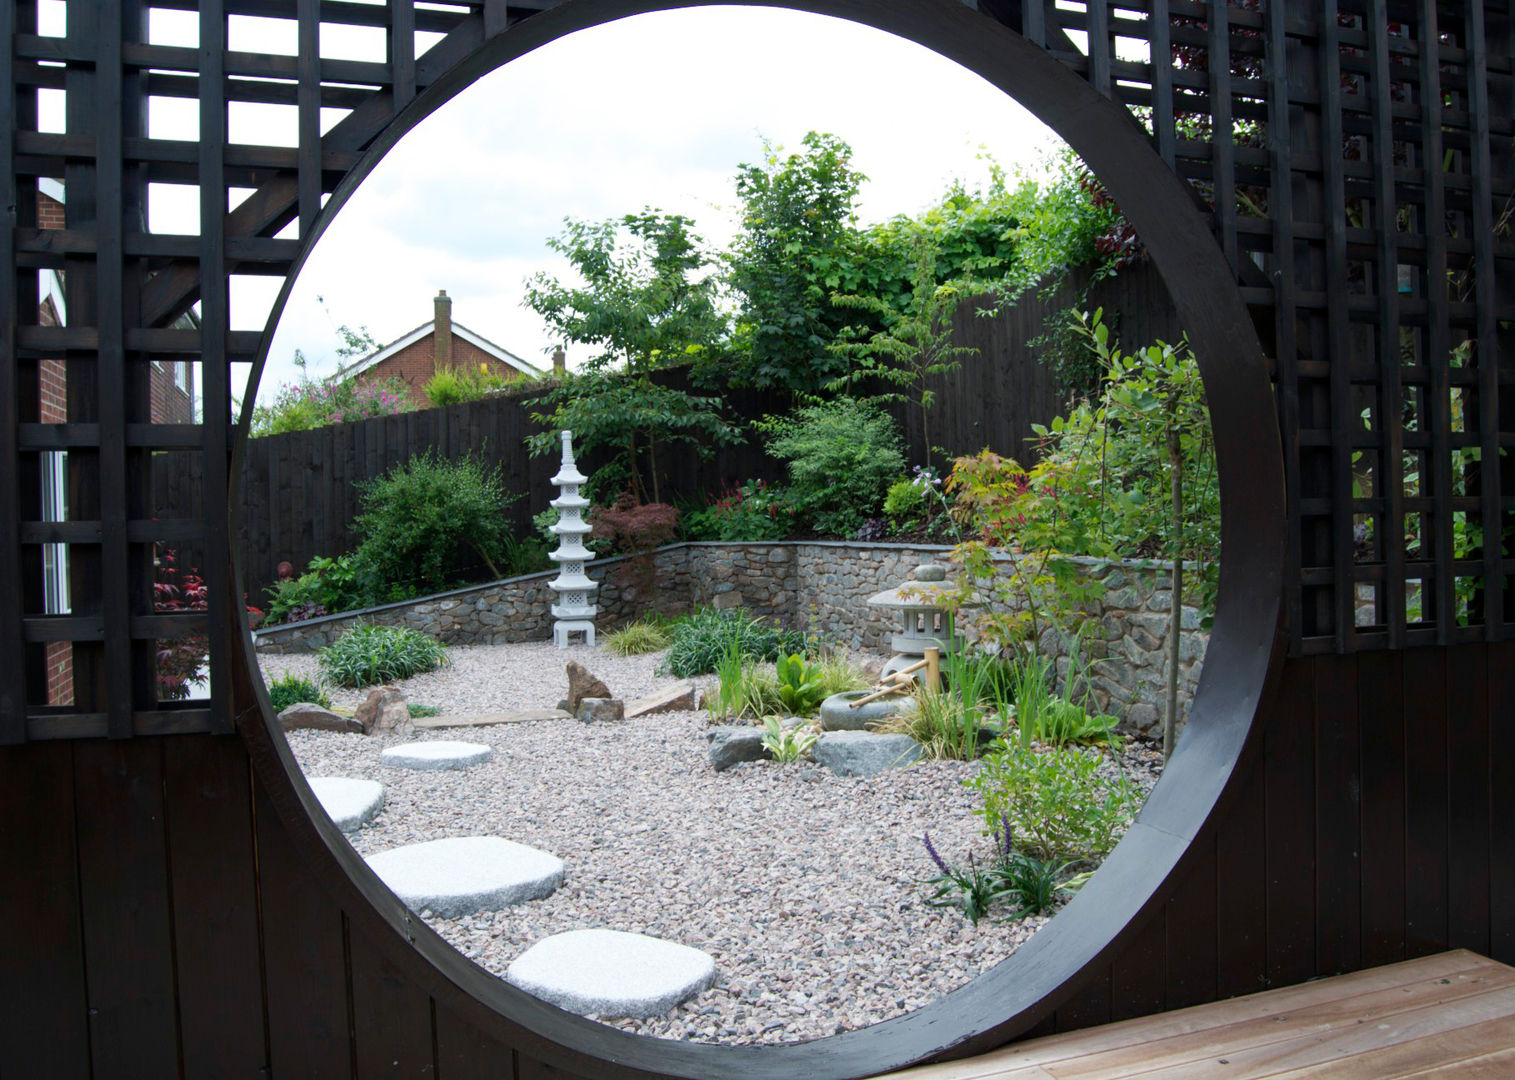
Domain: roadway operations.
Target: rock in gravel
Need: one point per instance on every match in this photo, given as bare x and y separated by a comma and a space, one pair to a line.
680, 698
306, 716
350, 804
581, 685
595, 710
436, 755
612, 973
733, 744
861, 753
384, 712
460, 875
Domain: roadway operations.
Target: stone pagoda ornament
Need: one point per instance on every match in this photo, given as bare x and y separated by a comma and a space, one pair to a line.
574, 612
925, 622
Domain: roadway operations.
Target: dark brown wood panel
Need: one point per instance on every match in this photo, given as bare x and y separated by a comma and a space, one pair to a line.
41, 932
208, 794
1338, 817
466, 1053
1382, 723
304, 961
129, 946
391, 1017
1470, 823
1426, 795
1289, 790
1241, 880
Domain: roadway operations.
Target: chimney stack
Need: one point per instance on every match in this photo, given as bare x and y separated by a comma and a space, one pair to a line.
442, 324
559, 362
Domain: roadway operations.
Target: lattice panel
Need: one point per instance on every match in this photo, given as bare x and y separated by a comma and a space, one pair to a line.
1355, 157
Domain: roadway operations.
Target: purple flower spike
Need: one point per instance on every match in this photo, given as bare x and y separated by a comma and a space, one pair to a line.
1004, 820
931, 850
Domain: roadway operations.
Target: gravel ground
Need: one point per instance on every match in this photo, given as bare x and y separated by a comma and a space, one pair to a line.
807, 888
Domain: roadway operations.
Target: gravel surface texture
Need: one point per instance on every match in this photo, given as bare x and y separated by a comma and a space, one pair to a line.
807, 888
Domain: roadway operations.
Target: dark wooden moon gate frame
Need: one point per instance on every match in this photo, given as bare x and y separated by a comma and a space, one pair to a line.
1326, 191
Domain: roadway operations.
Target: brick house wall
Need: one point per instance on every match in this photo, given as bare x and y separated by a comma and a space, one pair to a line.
416, 363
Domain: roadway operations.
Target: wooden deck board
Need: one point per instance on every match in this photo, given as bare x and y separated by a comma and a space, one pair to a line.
1451, 1014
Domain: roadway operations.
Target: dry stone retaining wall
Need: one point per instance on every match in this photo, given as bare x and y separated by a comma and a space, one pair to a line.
819, 586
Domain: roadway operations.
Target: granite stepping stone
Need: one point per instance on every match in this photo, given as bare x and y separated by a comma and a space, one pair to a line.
612, 973
437, 754
350, 804
464, 874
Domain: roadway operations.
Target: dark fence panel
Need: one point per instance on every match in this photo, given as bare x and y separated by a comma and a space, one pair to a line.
300, 491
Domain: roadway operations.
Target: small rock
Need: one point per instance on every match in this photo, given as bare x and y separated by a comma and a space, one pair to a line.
733, 745
305, 716
384, 712
581, 685
598, 710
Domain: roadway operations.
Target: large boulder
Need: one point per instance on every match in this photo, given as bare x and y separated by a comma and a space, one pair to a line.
384, 712
306, 716
862, 753
594, 710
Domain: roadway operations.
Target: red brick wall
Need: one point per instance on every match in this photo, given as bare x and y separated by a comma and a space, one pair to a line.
414, 364
169, 404
60, 673
49, 212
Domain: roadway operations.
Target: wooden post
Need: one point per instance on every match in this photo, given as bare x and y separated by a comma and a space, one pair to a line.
934, 668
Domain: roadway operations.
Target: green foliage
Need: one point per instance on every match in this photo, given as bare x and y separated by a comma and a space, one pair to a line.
648, 301
368, 655
642, 636
456, 385
842, 457
800, 688
915, 344
310, 403
328, 586
795, 247
701, 639
290, 689
1059, 800
753, 511
420, 517
1042, 716
787, 744
1028, 884
905, 504
837, 675
419, 712
941, 722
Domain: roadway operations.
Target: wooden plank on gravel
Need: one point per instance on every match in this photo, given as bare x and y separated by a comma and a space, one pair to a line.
681, 698
523, 716
1024, 1059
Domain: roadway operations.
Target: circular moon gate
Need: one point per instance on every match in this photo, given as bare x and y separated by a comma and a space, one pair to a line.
1243, 655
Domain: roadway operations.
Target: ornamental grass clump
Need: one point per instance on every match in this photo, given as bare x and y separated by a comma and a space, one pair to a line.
646, 635
368, 655
292, 689
700, 640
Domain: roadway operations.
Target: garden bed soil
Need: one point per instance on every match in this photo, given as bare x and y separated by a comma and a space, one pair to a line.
807, 888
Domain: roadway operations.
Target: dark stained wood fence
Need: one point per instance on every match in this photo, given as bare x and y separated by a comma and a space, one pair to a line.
301, 491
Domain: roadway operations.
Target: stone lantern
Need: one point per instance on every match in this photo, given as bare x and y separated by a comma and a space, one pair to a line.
574, 613
925, 622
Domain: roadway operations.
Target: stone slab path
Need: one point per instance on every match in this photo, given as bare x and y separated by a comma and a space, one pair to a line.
612, 973
460, 875
519, 716
438, 754
351, 804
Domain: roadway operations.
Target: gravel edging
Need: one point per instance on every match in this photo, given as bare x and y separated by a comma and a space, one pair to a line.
807, 888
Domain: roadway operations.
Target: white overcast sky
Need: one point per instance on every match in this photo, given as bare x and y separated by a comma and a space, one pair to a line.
657, 110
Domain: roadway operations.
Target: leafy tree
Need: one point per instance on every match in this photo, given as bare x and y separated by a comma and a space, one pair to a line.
647, 301
797, 245
842, 456
915, 345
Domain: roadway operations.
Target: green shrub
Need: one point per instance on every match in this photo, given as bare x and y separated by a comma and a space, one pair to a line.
642, 636
421, 519
1058, 801
754, 511
368, 655
290, 690
842, 457
328, 586
454, 385
905, 504
700, 639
